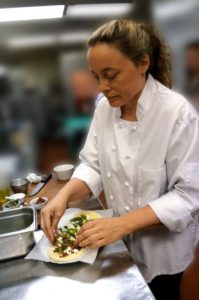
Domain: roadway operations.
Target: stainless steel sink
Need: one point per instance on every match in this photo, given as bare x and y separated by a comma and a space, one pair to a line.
16, 232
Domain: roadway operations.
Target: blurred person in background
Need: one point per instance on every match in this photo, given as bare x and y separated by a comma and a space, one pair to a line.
83, 93
192, 73
142, 150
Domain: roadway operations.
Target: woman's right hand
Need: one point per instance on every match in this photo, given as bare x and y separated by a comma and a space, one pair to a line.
51, 214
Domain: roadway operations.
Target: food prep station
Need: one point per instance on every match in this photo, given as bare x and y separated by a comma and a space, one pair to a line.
17, 228
113, 276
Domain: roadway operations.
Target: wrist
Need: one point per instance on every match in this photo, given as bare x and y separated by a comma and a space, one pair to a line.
127, 224
63, 196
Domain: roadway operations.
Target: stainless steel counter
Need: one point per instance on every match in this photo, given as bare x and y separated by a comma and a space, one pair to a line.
113, 276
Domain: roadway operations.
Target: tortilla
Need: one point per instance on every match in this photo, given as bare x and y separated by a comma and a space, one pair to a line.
73, 256
55, 256
89, 213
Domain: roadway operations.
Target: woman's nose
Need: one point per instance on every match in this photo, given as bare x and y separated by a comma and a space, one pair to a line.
104, 86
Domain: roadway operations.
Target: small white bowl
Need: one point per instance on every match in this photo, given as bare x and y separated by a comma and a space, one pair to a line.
64, 172
17, 196
39, 206
11, 207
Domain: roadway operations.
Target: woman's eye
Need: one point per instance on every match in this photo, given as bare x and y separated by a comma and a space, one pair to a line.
96, 77
112, 76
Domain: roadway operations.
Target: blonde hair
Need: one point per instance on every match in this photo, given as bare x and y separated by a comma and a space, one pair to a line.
135, 40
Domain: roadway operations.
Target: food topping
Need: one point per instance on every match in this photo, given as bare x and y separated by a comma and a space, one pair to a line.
65, 237
40, 200
11, 204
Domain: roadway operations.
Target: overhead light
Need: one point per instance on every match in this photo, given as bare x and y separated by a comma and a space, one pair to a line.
102, 10
31, 42
36, 41
173, 9
73, 37
31, 13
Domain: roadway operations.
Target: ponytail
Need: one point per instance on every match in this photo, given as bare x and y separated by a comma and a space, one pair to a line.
160, 58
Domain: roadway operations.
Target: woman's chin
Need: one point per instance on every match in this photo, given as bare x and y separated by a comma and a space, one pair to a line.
114, 102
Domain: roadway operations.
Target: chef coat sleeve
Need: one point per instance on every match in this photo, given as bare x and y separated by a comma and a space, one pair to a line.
88, 171
176, 208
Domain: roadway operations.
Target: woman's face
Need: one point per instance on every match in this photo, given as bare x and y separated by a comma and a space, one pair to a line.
119, 79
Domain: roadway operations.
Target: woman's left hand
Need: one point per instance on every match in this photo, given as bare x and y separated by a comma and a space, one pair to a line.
100, 232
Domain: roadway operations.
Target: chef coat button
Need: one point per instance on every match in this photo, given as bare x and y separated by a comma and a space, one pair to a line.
120, 125
126, 183
127, 208
94, 135
113, 148
109, 175
191, 118
131, 190
134, 127
111, 197
127, 156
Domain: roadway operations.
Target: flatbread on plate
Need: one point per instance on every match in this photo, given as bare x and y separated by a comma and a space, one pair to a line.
73, 256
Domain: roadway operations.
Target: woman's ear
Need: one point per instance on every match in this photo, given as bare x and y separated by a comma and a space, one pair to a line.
144, 64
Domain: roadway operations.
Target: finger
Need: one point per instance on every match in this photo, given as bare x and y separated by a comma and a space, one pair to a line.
41, 222
55, 222
91, 240
47, 228
90, 225
97, 244
85, 234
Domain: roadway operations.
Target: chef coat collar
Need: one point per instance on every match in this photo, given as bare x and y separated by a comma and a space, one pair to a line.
145, 99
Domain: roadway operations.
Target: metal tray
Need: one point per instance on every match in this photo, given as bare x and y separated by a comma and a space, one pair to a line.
16, 232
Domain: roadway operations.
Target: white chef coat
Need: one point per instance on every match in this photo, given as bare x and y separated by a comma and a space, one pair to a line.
153, 161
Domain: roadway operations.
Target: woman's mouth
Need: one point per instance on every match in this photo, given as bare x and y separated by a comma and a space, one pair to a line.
111, 97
